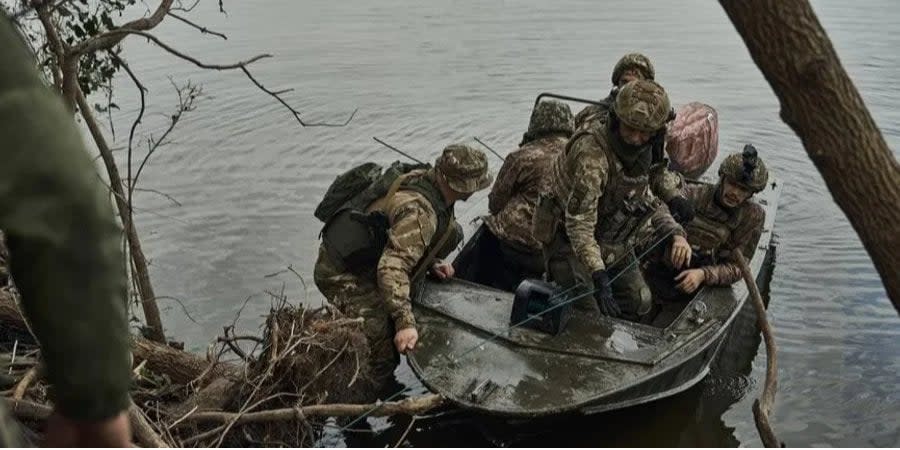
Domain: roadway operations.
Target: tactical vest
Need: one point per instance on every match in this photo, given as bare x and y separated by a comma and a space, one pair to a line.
625, 204
357, 239
712, 226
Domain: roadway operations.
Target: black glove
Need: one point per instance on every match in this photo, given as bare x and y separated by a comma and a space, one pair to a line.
682, 210
603, 294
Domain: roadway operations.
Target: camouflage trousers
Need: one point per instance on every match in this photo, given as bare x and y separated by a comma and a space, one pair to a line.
358, 296
628, 286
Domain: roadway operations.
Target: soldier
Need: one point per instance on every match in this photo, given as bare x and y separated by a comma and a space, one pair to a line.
664, 183
599, 196
65, 257
726, 220
513, 197
632, 66
419, 213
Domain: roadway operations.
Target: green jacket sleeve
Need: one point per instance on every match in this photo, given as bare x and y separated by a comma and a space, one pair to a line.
64, 243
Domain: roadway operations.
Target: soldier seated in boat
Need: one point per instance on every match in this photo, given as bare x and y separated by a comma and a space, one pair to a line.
599, 196
666, 184
726, 219
513, 197
367, 271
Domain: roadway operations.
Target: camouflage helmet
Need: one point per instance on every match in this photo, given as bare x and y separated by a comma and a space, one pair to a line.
465, 168
746, 169
643, 105
551, 116
635, 61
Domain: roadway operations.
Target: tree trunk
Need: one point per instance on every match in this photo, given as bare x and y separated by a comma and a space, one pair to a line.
141, 272
67, 66
821, 104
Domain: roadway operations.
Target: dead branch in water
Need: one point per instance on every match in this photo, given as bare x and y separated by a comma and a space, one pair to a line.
762, 407
410, 406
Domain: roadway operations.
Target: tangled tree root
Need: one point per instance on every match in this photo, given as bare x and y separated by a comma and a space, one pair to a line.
306, 365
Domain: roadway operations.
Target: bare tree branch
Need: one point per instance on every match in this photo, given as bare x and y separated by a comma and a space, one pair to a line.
242, 65
186, 96
180, 303
181, 7
291, 109
202, 29
57, 46
109, 39
160, 193
142, 90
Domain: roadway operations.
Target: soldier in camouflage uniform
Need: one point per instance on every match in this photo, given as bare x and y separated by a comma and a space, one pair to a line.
664, 183
420, 213
65, 257
513, 197
726, 220
632, 66
599, 196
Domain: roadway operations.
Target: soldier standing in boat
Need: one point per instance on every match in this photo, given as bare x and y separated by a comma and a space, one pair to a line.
632, 66
726, 219
65, 257
599, 196
514, 195
420, 222
665, 183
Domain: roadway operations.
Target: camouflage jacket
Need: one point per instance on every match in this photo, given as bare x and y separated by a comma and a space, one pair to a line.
414, 224
64, 243
665, 184
579, 182
523, 176
715, 231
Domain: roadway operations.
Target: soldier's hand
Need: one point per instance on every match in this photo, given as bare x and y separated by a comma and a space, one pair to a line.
681, 252
65, 432
690, 280
405, 339
443, 270
603, 294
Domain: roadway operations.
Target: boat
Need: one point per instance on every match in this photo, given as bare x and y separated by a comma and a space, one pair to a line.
468, 353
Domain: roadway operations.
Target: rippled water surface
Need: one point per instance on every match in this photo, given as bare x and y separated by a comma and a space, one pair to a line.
424, 74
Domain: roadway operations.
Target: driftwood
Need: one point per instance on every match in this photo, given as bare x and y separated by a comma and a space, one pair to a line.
310, 363
762, 407
410, 406
143, 432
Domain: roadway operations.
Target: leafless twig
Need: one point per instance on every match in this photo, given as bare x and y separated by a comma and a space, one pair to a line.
183, 308
412, 421
143, 91
202, 29
186, 96
154, 191
181, 6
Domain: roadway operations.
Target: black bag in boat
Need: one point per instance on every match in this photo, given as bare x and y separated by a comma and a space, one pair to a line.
541, 306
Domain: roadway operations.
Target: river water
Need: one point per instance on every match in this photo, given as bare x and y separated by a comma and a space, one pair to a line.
425, 74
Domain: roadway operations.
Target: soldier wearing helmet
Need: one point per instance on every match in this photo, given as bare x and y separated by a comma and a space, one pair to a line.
599, 196
632, 66
419, 212
726, 220
664, 183
515, 193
